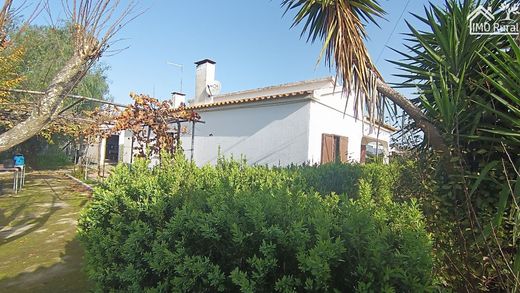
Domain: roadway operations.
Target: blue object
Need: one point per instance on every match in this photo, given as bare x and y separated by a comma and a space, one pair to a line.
19, 160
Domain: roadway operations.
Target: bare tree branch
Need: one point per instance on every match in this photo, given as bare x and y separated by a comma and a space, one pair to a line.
4, 20
431, 133
94, 23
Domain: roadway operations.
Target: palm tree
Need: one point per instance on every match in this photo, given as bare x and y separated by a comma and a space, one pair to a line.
339, 24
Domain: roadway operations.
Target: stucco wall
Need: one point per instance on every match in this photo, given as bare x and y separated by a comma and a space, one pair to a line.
125, 146
92, 151
329, 115
276, 132
265, 133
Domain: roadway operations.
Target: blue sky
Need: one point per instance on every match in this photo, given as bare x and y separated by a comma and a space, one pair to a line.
251, 41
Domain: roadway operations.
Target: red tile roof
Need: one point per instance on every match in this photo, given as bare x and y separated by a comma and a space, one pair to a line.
247, 100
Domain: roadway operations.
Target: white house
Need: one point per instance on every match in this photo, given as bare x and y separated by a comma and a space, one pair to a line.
295, 123
309, 122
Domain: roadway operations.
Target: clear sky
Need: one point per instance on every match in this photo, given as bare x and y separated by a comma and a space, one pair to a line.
251, 41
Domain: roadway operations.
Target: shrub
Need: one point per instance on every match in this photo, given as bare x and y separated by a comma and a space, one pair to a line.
236, 228
51, 158
344, 179
335, 178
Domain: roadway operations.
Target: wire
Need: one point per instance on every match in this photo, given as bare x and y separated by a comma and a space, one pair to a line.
393, 30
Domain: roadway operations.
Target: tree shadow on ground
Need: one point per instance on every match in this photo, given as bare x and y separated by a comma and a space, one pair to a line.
4, 221
29, 224
65, 276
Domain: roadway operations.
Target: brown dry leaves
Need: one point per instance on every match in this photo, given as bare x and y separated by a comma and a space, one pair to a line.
153, 123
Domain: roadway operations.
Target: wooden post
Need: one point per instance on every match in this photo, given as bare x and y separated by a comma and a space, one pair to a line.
192, 139
102, 155
178, 138
86, 167
132, 149
15, 182
363, 156
86, 158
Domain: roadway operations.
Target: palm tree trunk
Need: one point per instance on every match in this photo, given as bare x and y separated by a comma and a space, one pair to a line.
431, 133
49, 104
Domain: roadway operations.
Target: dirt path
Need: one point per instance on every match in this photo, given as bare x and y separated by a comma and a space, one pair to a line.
38, 249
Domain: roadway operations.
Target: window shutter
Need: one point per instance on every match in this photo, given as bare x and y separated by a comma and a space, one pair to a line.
343, 149
327, 148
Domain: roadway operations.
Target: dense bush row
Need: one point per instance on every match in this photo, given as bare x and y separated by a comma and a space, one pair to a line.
179, 228
344, 179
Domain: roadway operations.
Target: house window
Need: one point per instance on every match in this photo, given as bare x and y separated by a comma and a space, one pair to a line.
334, 148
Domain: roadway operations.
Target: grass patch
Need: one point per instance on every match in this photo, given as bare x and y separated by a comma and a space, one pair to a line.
37, 236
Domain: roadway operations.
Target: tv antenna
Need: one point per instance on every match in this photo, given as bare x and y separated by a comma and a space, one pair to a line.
181, 67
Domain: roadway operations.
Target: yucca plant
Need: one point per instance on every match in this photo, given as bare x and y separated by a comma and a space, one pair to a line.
469, 86
502, 90
462, 109
443, 63
502, 102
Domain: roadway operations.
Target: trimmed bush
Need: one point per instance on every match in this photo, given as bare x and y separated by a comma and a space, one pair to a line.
344, 179
236, 228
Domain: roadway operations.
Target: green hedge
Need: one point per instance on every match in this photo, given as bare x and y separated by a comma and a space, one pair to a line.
344, 179
236, 228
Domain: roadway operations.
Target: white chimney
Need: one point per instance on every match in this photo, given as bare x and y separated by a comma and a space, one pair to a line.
178, 99
204, 76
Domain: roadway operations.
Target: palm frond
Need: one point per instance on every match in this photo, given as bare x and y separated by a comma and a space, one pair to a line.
340, 24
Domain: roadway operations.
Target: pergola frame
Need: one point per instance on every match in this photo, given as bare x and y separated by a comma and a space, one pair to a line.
80, 99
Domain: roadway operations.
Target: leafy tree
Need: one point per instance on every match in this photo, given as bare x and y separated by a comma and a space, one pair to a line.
91, 29
9, 60
46, 51
9, 57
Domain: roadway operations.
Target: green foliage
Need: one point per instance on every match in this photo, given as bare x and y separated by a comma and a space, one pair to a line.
443, 61
40, 155
343, 179
237, 228
335, 178
340, 25
468, 87
502, 99
501, 102
52, 158
47, 49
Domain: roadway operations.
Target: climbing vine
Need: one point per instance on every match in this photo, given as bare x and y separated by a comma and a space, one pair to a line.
156, 125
